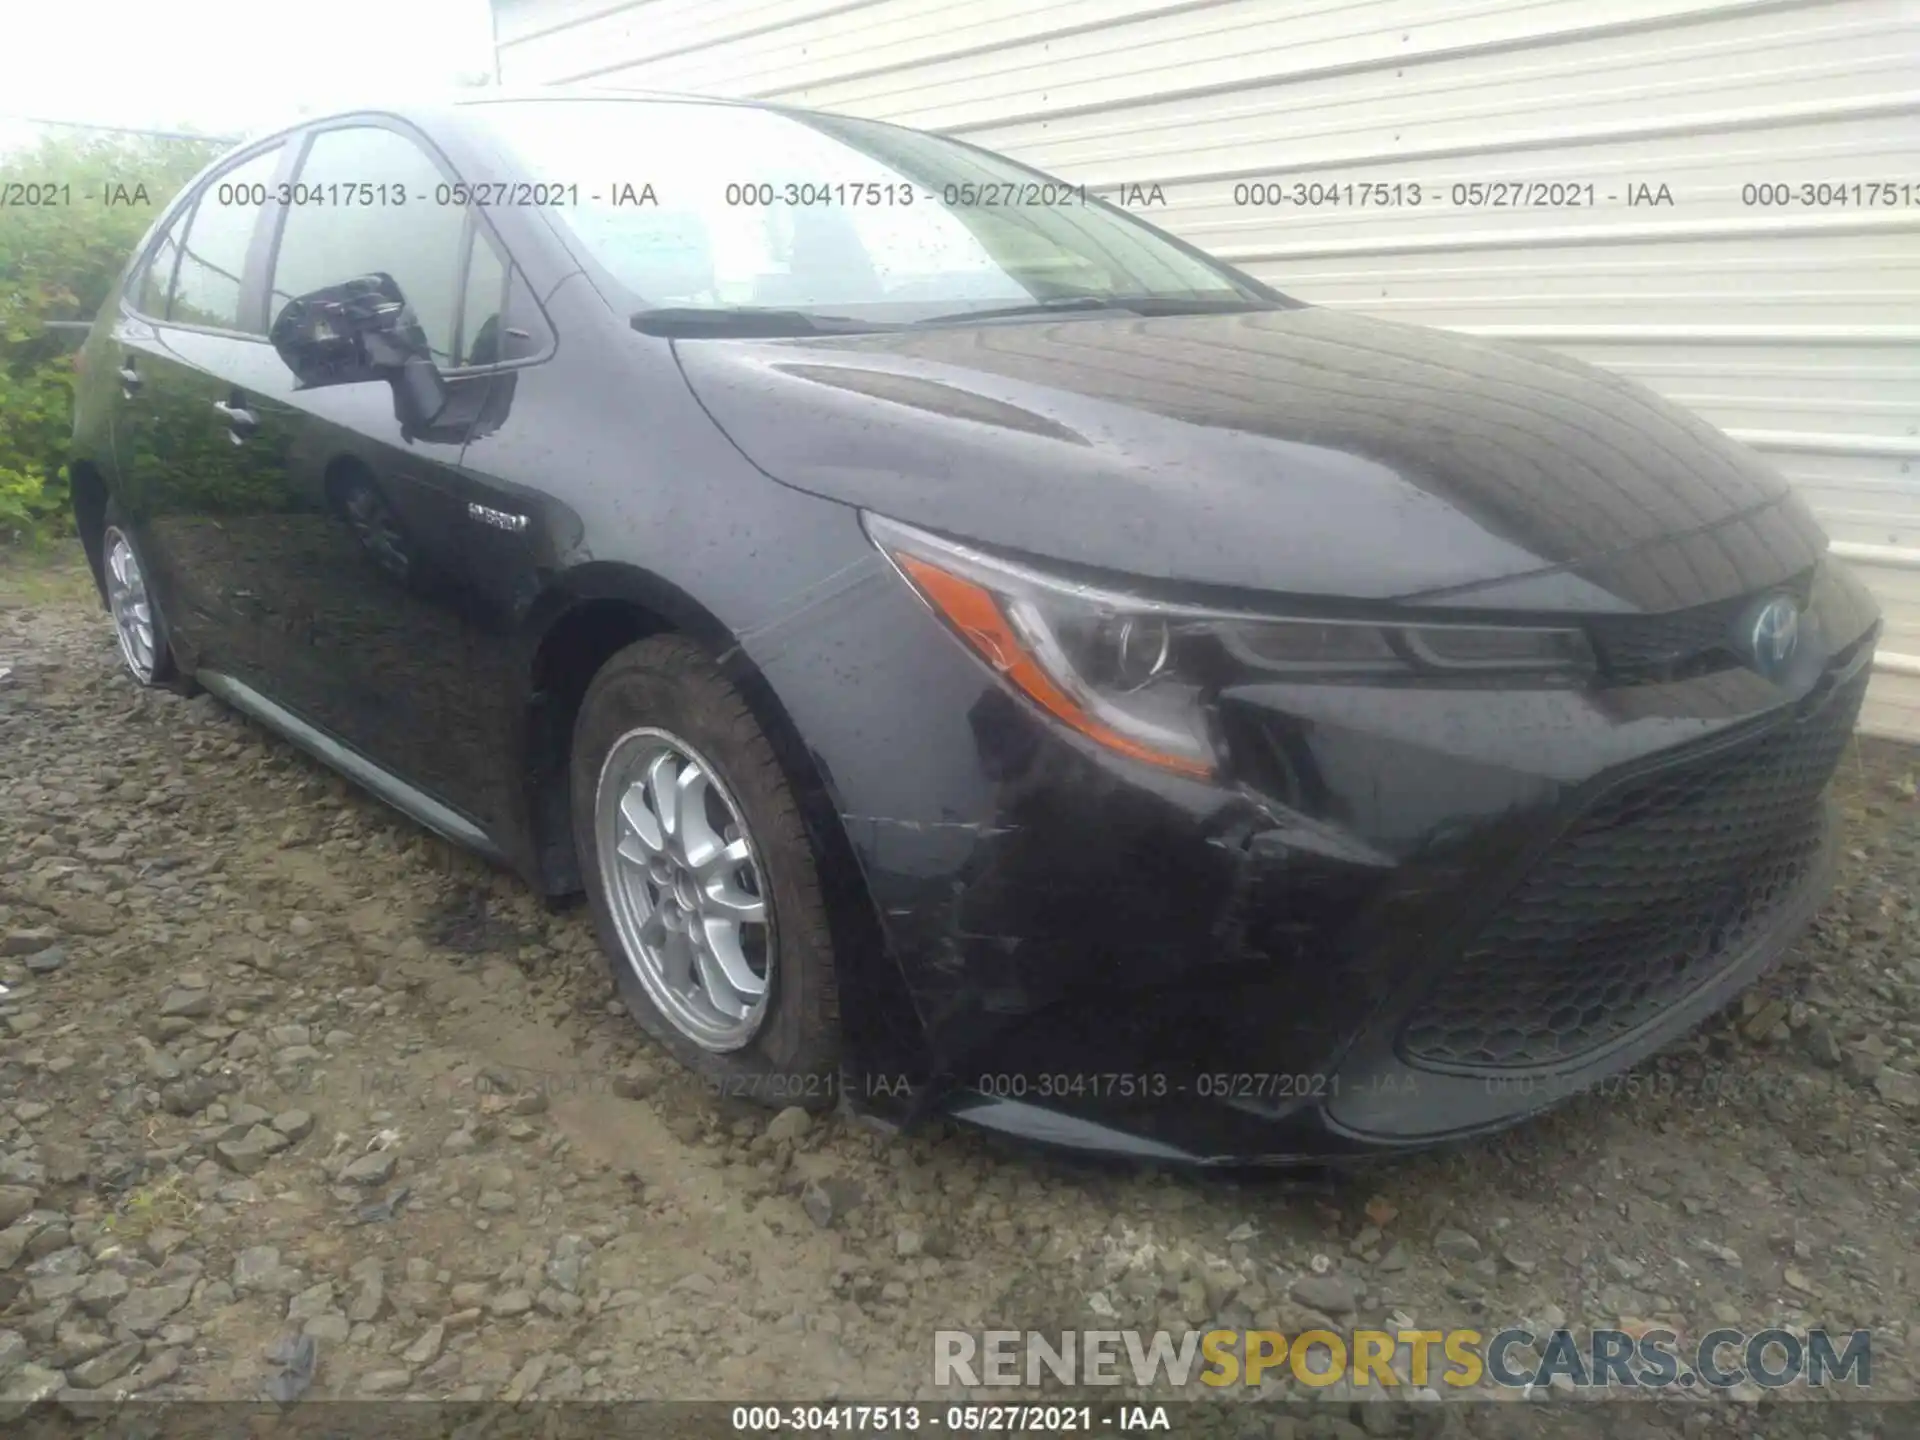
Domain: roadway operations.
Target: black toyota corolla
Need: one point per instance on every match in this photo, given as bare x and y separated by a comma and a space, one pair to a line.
976, 653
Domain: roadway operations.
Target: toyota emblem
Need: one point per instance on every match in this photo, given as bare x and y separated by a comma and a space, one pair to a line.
1775, 633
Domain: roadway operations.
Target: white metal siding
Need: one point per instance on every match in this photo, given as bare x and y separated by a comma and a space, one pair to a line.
1795, 329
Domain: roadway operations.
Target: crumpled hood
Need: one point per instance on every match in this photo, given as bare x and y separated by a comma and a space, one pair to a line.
1299, 451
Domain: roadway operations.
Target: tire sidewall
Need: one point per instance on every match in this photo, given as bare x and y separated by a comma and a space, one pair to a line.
667, 684
165, 672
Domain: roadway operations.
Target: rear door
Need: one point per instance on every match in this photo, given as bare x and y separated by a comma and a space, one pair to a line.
196, 450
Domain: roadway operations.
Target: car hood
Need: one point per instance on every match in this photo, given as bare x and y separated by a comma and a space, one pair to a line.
1294, 452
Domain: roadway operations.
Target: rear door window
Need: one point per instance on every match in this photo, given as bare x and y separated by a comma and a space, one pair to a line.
150, 288
207, 285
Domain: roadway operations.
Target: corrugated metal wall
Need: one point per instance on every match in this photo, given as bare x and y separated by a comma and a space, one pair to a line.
1795, 326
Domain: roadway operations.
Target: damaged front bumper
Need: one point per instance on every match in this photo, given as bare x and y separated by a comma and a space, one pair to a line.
1414, 915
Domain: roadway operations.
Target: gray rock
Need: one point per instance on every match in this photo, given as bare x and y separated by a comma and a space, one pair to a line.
157, 1371
1457, 1245
102, 1292
58, 1276
418, 1296
369, 1296
830, 1200
370, 1170
252, 1150
527, 1379
294, 1124
1896, 1087
385, 1382
242, 1116
494, 1202
426, 1349
1861, 1065
74, 1342
509, 1303
1331, 1294
144, 1311
46, 961
108, 1365
49, 1229
13, 1352
564, 1272
18, 1170
294, 1359
789, 1125
314, 1300
1817, 1040
31, 1384
65, 1164
1623, 1268
13, 1242
187, 1004
27, 941
253, 1265
332, 1326
162, 1241
63, 1260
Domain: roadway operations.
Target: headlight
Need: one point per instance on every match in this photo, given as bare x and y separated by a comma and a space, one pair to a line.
1136, 675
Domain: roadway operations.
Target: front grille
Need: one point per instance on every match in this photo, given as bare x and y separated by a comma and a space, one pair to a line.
1632, 645
1663, 882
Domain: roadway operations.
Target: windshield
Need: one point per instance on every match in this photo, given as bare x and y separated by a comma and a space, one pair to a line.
691, 206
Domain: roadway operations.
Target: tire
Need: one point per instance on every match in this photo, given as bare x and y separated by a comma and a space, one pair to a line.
140, 629
664, 701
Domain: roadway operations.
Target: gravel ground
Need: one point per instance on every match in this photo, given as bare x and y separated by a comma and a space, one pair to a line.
275, 1062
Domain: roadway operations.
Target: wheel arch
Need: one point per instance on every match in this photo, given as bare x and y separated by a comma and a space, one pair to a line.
569, 633
87, 492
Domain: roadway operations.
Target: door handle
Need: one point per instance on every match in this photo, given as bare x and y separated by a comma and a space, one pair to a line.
240, 420
129, 380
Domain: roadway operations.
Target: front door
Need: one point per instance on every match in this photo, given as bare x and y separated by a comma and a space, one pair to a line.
374, 514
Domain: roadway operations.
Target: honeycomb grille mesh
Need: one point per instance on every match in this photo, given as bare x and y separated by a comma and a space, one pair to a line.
1641, 901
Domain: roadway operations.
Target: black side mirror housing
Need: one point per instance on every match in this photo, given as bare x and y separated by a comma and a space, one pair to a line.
362, 329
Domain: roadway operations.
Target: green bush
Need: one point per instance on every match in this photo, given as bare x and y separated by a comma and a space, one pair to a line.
58, 262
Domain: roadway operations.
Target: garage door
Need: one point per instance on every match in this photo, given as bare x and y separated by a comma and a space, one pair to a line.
1720, 198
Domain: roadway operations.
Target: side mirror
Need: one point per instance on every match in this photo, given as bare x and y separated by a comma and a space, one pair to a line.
360, 330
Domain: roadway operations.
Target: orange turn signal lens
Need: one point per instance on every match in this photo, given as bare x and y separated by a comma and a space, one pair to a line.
975, 614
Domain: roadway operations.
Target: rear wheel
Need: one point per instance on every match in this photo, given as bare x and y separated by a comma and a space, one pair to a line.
138, 625
704, 887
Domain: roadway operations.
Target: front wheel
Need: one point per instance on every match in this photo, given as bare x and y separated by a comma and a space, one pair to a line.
704, 888
138, 625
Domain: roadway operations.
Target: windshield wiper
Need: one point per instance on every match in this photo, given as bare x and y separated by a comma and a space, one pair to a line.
746, 322
1116, 304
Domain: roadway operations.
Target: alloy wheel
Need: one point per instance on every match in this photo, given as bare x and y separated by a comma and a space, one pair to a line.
130, 606
683, 881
